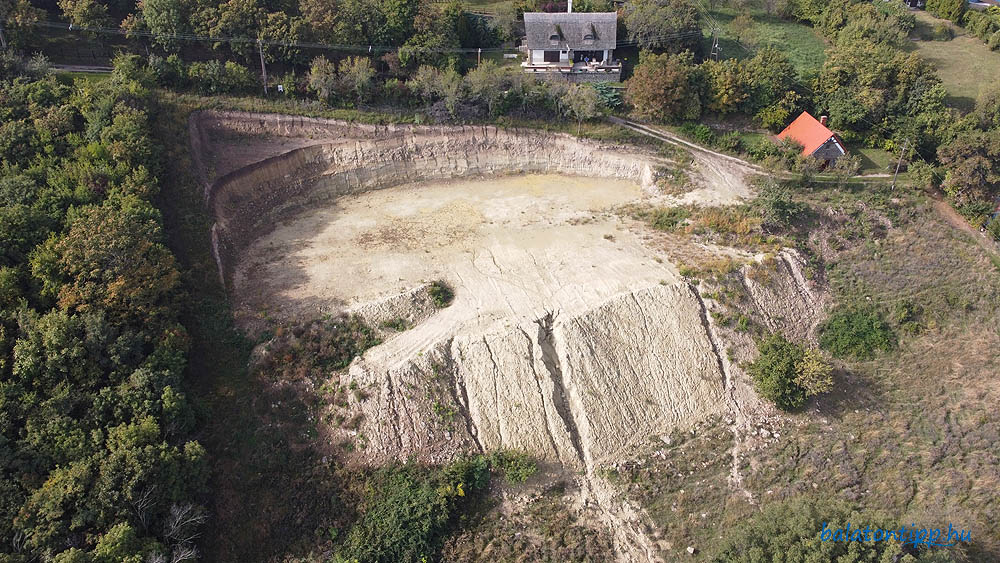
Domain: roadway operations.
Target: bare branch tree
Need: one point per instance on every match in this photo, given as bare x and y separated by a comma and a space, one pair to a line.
142, 503
184, 553
183, 523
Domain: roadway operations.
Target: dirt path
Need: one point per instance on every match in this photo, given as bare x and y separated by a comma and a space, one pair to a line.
714, 160
723, 178
955, 220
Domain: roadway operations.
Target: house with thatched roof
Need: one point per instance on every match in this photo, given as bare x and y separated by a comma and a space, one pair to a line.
575, 47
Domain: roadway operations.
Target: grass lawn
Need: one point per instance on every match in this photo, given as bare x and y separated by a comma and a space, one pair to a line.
874, 161
965, 64
69, 77
488, 6
803, 45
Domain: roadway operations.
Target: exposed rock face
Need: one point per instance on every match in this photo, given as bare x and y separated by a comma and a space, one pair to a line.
351, 159
579, 390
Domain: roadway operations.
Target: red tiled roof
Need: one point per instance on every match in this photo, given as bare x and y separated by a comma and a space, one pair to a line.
808, 132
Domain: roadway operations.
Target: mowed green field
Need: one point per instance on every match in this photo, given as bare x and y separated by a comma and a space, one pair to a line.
803, 45
965, 64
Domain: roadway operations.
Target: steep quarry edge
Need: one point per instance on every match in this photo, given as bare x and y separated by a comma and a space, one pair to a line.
248, 201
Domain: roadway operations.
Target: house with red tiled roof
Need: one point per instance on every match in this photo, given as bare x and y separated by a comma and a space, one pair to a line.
816, 140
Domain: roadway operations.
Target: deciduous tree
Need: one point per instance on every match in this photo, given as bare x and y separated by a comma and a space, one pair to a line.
357, 74
85, 13
581, 101
973, 161
666, 87
663, 25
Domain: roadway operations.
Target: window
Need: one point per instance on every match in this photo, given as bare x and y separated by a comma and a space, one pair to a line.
551, 56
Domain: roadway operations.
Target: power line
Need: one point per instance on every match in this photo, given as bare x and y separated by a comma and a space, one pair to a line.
328, 46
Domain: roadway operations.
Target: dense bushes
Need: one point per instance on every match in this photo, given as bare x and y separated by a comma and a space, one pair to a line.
210, 78
666, 87
787, 374
673, 88
952, 10
857, 333
984, 25
409, 510
790, 531
94, 422
773, 372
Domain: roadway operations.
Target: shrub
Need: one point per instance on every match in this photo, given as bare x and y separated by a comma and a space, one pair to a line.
215, 77
441, 294
790, 531
167, 71
857, 333
409, 510
761, 149
994, 41
704, 134
814, 373
669, 218
319, 346
943, 32
237, 78
515, 466
774, 204
729, 142
952, 10
774, 372
611, 97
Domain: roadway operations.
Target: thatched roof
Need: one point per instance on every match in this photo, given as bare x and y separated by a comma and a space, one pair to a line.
578, 31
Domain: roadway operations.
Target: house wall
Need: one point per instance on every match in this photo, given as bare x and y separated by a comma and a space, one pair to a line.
828, 151
538, 56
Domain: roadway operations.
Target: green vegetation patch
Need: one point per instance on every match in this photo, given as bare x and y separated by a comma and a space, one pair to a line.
859, 333
319, 346
773, 372
408, 511
790, 531
441, 294
515, 466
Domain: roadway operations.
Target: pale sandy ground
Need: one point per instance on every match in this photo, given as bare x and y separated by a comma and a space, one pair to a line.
513, 247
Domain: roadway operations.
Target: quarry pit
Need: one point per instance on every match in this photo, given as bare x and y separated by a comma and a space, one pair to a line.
570, 337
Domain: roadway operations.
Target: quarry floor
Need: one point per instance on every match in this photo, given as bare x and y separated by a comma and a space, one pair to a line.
512, 247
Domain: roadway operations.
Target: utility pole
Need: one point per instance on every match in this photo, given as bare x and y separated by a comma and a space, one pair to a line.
479, 56
900, 162
263, 69
716, 50
3, 40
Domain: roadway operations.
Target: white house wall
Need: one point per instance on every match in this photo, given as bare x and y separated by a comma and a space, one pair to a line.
538, 56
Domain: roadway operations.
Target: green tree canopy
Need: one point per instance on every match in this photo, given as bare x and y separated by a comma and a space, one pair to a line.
663, 25
666, 87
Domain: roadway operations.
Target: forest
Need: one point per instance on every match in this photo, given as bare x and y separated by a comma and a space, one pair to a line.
97, 458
